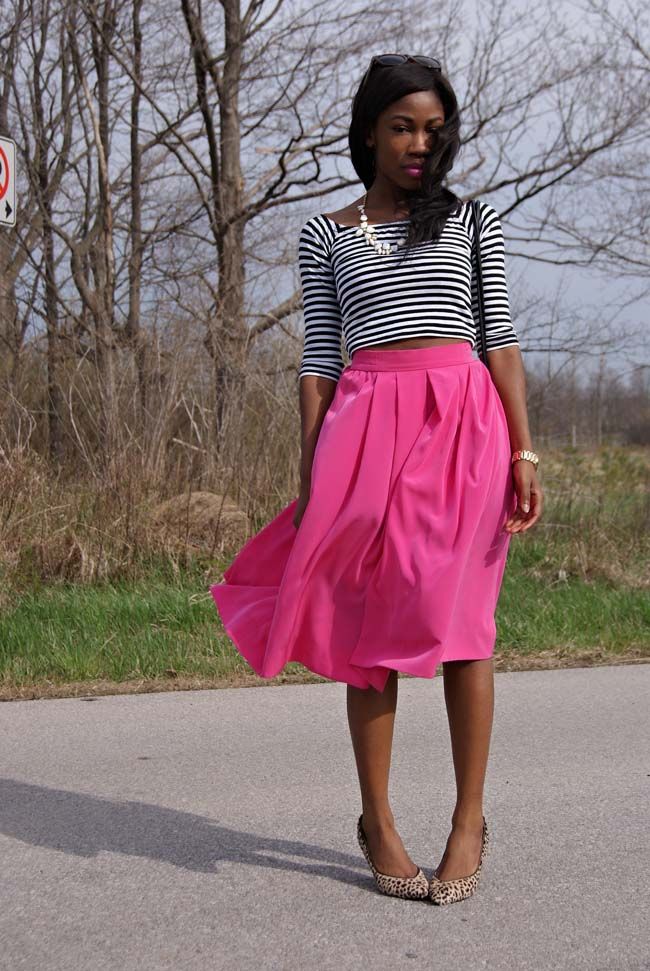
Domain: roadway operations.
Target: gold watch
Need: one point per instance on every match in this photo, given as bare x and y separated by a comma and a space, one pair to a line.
525, 453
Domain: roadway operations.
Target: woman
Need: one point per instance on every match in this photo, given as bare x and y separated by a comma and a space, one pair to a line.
412, 478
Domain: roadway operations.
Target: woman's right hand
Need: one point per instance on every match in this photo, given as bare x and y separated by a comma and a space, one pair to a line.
301, 505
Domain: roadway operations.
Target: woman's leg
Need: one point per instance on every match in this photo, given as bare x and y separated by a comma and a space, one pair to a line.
469, 697
371, 717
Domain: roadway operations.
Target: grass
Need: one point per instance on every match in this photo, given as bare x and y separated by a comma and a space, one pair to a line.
137, 614
168, 633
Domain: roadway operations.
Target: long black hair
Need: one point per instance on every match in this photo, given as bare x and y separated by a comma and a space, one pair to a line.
432, 202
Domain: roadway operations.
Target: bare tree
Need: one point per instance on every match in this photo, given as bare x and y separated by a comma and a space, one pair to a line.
165, 165
133, 328
43, 120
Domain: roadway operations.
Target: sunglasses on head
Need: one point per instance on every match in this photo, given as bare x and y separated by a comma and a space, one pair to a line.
389, 60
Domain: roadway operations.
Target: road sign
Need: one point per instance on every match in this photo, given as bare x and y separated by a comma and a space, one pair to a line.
7, 182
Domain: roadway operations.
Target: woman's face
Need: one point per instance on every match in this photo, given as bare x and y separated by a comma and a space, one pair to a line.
402, 136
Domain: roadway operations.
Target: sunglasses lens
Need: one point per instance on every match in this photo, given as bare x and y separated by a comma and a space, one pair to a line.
388, 59
428, 61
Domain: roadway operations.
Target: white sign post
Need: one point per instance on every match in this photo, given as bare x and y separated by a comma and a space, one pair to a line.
7, 182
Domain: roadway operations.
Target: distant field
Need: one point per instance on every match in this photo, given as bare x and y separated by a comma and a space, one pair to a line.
576, 591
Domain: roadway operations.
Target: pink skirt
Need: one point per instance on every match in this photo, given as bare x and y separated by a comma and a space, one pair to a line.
398, 560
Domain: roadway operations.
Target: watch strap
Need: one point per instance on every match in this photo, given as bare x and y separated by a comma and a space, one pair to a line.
525, 453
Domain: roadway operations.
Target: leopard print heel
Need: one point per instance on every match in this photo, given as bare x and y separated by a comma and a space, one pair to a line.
450, 891
410, 888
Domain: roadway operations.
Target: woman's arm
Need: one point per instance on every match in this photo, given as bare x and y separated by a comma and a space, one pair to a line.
322, 359
506, 364
316, 394
507, 371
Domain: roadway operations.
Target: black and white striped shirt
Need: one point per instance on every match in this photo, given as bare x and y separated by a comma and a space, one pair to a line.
355, 297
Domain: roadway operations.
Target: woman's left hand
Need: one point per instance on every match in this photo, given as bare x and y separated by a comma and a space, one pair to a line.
529, 497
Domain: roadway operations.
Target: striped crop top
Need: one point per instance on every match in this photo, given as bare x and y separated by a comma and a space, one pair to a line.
352, 294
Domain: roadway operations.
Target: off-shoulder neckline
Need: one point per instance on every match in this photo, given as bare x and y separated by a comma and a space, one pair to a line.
394, 222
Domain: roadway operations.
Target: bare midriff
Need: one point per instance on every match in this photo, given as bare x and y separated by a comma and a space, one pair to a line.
414, 342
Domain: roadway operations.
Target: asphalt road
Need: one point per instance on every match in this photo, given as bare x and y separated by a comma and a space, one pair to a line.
216, 830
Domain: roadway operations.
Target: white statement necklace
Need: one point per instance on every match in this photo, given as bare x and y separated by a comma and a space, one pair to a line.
371, 236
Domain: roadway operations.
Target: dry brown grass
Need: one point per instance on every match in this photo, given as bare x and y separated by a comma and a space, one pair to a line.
503, 662
596, 522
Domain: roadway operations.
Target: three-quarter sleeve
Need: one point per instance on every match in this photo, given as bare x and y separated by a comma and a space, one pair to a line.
323, 320
499, 330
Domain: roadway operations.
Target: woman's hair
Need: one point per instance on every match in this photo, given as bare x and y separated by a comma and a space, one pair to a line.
432, 202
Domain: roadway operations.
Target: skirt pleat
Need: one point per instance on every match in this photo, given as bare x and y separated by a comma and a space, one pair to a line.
399, 557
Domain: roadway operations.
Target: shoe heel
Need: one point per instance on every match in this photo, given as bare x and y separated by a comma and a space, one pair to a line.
486, 840
409, 888
451, 891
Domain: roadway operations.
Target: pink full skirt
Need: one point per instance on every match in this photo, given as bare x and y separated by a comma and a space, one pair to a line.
398, 560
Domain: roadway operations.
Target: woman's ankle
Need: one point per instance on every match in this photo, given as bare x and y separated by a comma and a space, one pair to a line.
381, 820
467, 817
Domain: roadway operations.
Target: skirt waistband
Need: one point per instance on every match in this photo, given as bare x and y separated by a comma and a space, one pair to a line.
404, 358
